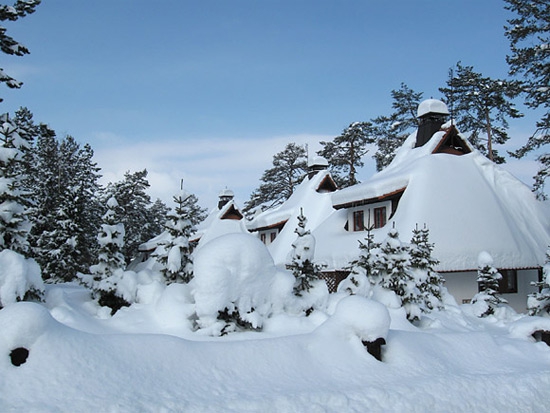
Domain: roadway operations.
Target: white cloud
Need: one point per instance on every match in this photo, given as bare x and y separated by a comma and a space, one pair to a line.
206, 165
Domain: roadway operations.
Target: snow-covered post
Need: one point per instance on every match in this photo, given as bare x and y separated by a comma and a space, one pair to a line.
302, 266
488, 276
539, 303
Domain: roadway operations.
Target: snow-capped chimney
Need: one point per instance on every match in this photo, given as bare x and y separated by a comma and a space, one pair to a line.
225, 196
315, 165
432, 114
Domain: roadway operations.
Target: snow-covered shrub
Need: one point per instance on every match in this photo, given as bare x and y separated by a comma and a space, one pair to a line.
20, 278
487, 300
539, 303
236, 284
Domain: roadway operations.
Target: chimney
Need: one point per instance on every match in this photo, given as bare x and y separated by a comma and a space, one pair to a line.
432, 114
315, 165
225, 196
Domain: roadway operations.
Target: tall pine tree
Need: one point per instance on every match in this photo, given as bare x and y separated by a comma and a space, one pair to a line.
481, 107
529, 35
279, 181
389, 132
345, 153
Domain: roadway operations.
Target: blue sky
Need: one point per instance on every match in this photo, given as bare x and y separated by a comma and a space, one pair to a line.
210, 90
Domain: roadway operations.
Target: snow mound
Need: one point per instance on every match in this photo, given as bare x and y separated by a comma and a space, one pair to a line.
17, 276
236, 272
358, 316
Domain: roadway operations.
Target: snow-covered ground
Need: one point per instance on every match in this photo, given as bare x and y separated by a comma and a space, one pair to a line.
147, 358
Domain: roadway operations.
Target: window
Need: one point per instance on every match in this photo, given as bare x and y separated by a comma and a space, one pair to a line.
379, 217
358, 220
509, 282
262, 238
272, 236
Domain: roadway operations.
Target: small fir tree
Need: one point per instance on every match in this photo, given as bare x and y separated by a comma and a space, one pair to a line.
488, 298
304, 269
428, 281
108, 272
174, 253
365, 270
539, 303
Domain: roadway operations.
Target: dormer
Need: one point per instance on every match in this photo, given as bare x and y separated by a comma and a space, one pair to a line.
432, 114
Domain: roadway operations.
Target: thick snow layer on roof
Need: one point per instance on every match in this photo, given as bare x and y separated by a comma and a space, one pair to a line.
469, 204
432, 106
316, 206
214, 226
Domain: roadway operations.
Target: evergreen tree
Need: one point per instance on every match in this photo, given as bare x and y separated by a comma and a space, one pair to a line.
8, 44
159, 212
389, 132
279, 182
174, 253
428, 282
539, 303
488, 298
134, 204
14, 219
395, 274
482, 106
66, 211
108, 273
345, 152
303, 267
365, 270
111, 240
529, 35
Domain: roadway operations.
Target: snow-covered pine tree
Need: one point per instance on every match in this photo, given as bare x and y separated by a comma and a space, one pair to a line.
279, 181
427, 280
345, 152
8, 44
304, 269
174, 253
389, 132
488, 298
159, 212
529, 35
365, 270
482, 106
134, 204
14, 202
66, 245
395, 274
109, 270
539, 303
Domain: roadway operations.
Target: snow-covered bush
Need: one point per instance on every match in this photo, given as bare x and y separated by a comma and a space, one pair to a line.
539, 303
20, 278
487, 300
236, 284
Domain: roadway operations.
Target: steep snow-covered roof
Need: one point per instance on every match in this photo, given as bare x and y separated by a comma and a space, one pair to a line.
217, 224
469, 204
316, 206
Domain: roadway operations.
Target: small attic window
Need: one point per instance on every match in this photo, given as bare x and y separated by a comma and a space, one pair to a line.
327, 185
452, 144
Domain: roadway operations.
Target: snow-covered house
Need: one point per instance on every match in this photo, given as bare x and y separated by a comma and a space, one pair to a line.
275, 227
468, 203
